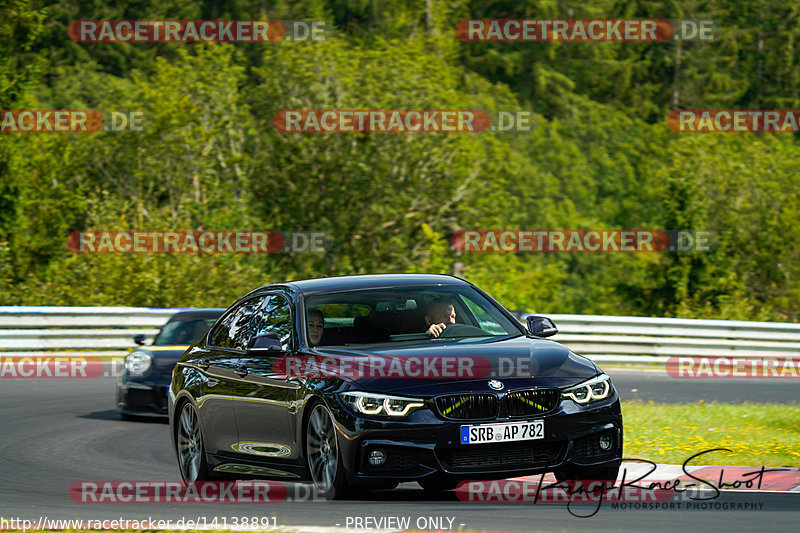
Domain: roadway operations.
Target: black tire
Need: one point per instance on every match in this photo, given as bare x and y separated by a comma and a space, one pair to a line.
323, 459
189, 445
438, 483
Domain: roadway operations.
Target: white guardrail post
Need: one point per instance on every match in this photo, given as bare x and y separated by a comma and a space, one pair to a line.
109, 331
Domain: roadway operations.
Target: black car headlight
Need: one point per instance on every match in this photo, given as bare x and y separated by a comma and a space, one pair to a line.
597, 388
369, 403
138, 362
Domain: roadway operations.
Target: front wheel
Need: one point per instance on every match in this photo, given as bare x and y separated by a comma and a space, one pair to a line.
322, 455
189, 444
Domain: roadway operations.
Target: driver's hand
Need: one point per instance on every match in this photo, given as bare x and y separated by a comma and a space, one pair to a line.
436, 329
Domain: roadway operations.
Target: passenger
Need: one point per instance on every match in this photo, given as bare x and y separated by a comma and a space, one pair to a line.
316, 326
440, 314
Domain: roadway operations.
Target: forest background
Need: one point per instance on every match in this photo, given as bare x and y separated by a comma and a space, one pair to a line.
599, 156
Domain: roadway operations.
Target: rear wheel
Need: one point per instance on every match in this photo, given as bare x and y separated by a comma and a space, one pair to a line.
189, 444
322, 455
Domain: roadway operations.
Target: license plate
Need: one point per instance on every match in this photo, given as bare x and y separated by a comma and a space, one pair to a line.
506, 432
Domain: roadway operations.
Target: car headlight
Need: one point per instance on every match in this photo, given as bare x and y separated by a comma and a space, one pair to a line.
369, 403
597, 388
138, 362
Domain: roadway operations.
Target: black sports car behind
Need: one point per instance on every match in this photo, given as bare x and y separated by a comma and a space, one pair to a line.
142, 386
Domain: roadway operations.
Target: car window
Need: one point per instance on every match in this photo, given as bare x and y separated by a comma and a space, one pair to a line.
238, 326
179, 332
338, 315
275, 316
485, 320
367, 316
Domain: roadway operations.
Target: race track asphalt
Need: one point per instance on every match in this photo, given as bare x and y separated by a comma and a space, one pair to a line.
54, 432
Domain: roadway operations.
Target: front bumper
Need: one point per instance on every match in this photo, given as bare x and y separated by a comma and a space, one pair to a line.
427, 446
142, 396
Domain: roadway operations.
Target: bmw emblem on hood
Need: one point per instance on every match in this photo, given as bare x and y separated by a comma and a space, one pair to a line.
496, 385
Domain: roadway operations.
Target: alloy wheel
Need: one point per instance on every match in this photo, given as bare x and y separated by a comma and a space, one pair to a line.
321, 449
190, 444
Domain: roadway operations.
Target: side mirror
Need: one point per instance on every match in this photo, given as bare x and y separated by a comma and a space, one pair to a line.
269, 343
541, 326
139, 339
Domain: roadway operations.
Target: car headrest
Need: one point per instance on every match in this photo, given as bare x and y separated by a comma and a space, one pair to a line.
395, 322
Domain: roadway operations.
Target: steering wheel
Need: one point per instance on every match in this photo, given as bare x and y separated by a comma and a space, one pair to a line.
462, 330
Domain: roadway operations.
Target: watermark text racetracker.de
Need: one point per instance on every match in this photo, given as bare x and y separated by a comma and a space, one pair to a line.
536, 241
196, 31
194, 242
56, 366
413, 367
740, 367
401, 121
69, 121
734, 121
98, 492
294, 367
586, 30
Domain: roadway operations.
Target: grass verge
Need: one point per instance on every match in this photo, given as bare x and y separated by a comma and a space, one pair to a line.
756, 433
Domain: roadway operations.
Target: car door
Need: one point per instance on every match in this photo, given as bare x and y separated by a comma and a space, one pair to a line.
264, 396
219, 364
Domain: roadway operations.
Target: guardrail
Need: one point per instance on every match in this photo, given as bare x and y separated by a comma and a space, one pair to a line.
625, 339
79, 331
109, 331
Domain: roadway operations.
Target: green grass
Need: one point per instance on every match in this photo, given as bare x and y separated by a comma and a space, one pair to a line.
756, 433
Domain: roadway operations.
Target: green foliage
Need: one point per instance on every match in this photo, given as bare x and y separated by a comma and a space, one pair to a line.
21, 27
599, 156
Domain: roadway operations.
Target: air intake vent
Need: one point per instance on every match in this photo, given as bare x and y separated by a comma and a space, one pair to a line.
502, 456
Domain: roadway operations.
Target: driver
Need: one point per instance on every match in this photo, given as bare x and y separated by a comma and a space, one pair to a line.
440, 314
316, 326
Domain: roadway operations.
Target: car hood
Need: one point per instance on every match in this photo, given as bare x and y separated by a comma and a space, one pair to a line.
515, 362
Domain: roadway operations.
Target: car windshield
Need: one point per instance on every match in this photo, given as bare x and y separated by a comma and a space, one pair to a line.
183, 332
405, 314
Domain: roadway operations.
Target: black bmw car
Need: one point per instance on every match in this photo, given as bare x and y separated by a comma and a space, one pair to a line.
142, 385
366, 381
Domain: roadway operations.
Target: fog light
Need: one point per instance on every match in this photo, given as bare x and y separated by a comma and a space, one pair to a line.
605, 442
377, 457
